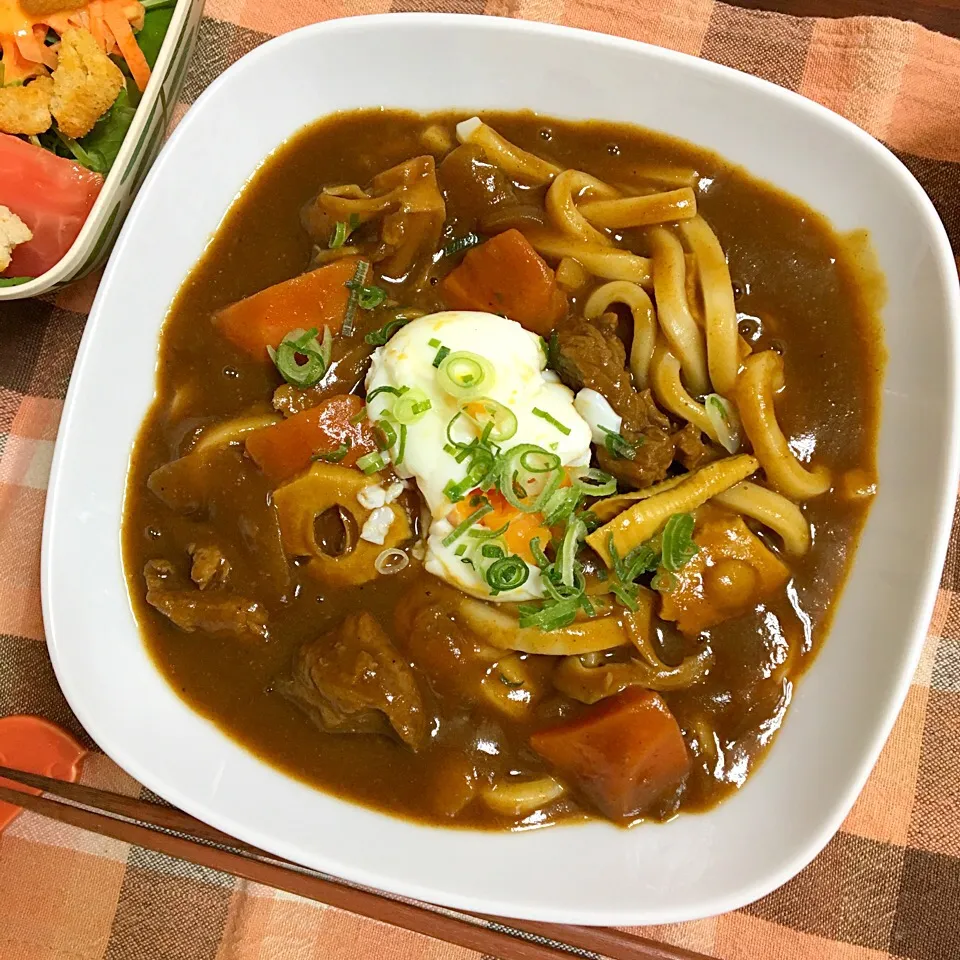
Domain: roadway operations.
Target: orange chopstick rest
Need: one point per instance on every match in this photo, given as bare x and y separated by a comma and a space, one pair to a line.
36, 746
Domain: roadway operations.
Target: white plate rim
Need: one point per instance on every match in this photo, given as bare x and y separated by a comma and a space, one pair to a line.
924, 603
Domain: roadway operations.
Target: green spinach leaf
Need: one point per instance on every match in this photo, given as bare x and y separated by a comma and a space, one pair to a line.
156, 21
102, 144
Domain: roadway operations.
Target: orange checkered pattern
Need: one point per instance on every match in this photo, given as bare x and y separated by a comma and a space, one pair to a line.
887, 885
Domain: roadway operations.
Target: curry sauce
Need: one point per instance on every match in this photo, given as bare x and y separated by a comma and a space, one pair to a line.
800, 291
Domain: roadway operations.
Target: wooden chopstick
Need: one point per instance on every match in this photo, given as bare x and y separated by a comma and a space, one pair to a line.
152, 814
490, 935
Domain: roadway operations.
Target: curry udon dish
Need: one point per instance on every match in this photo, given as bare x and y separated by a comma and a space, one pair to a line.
505, 471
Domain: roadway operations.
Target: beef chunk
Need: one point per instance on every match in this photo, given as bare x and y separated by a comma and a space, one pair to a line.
590, 354
693, 448
216, 611
210, 568
353, 680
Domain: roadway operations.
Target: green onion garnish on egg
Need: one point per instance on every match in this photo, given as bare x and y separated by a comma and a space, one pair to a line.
462, 527
463, 374
553, 421
506, 573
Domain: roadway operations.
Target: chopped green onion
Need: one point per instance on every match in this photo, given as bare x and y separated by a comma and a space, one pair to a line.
626, 594
371, 462
677, 539
642, 559
552, 615
411, 406
477, 471
528, 476
359, 416
461, 243
498, 423
395, 391
334, 456
489, 534
724, 419
434, 342
539, 557
553, 421
461, 550
354, 285
339, 236
491, 551
371, 297
618, 447
403, 443
553, 351
464, 526
507, 573
302, 343
574, 533
528, 459
442, 354
561, 504
377, 338
384, 434
594, 483
452, 491
664, 581
463, 374
591, 520
368, 297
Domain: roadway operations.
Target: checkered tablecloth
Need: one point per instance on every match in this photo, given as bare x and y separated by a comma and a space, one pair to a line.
887, 885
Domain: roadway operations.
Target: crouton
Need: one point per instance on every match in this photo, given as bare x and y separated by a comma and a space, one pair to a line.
85, 83
13, 232
26, 109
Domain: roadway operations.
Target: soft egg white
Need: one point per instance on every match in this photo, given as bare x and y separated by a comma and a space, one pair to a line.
520, 383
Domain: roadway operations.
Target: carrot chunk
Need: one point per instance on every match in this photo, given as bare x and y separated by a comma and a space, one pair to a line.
37, 746
626, 754
287, 448
315, 299
506, 275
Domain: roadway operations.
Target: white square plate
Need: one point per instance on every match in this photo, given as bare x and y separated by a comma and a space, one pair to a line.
844, 708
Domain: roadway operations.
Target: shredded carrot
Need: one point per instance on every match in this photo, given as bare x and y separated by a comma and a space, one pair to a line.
96, 26
120, 28
23, 35
15, 66
34, 50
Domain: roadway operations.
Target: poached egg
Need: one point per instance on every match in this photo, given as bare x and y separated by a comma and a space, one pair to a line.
517, 378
